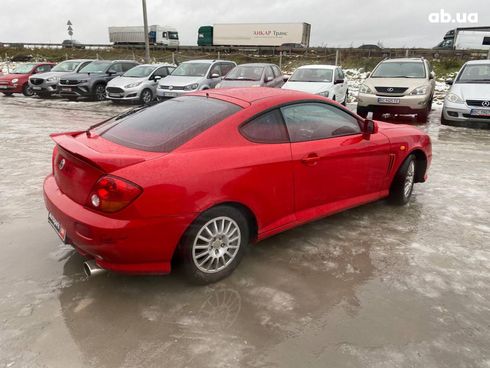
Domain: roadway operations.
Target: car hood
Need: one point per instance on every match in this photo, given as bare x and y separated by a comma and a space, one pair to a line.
123, 81
395, 82
81, 76
472, 91
50, 74
9, 77
310, 87
181, 81
239, 83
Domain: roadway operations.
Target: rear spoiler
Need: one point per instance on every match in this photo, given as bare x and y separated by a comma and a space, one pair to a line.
107, 162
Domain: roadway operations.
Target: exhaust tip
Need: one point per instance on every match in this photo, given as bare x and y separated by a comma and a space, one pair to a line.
90, 268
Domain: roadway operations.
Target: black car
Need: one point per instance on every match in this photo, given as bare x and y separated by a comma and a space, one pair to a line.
92, 79
72, 44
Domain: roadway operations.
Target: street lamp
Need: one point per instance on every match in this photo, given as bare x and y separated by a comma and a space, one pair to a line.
145, 31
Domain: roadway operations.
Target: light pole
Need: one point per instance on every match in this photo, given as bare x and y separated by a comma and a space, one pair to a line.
145, 30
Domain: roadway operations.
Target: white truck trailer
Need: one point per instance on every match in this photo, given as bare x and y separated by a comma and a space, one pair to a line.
261, 34
468, 38
134, 35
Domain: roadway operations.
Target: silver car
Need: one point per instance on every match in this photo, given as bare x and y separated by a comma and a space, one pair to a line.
138, 84
253, 75
46, 84
192, 76
467, 103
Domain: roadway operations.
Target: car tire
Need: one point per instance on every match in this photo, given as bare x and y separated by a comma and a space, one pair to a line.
362, 112
402, 186
99, 92
146, 96
214, 244
423, 115
27, 90
345, 98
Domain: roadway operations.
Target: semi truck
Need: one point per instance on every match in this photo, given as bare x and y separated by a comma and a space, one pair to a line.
469, 38
135, 35
254, 34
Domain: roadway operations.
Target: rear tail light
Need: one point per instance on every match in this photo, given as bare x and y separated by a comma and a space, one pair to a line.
111, 194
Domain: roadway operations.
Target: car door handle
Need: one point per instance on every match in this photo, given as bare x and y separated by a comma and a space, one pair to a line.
310, 159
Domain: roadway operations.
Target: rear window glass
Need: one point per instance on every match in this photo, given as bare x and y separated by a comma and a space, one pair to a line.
169, 124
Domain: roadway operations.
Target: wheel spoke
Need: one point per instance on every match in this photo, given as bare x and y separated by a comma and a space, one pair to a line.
205, 260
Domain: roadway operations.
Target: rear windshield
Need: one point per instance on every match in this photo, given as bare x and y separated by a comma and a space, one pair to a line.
169, 124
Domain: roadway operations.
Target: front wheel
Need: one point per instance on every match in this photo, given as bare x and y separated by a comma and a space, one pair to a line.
27, 90
146, 97
99, 92
402, 186
214, 244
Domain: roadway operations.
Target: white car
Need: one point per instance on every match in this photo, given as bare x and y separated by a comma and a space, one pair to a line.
324, 80
467, 103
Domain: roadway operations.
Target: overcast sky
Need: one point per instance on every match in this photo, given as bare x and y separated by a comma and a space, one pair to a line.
334, 23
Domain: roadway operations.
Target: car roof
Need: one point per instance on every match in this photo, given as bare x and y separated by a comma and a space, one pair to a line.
157, 65
318, 66
209, 61
256, 64
250, 95
396, 60
483, 61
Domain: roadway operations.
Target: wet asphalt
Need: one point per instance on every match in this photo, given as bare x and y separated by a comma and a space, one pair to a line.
375, 286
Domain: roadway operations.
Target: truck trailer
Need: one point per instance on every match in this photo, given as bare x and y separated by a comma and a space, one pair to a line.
466, 38
254, 34
134, 35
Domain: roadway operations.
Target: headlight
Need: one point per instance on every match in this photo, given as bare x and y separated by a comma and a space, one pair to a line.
191, 87
132, 85
422, 90
365, 89
454, 98
52, 79
15, 80
324, 93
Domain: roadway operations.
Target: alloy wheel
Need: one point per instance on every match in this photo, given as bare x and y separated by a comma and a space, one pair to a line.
409, 179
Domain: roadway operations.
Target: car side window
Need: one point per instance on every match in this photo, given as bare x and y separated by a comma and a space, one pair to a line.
43, 68
341, 73
313, 121
216, 69
170, 69
276, 70
161, 72
127, 66
84, 64
268, 73
226, 67
266, 128
116, 68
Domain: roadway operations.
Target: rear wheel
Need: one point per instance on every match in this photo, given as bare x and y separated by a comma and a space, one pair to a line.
146, 97
27, 90
214, 244
402, 186
99, 92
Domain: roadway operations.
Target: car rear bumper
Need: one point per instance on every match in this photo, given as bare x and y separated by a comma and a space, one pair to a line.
143, 245
406, 105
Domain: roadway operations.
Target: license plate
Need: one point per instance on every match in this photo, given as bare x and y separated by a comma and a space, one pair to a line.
66, 89
480, 112
3, 87
170, 94
60, 230
388, 100
36, 88
114, 95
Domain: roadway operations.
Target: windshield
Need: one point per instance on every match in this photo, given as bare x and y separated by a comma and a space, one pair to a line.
251, 73
191, 69
140, 71
96, 67
66, 66
173, 35
402, 69
169, 124
23, 68
475, 74
312, 75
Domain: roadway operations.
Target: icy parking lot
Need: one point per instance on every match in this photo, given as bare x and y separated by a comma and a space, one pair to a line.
376, 286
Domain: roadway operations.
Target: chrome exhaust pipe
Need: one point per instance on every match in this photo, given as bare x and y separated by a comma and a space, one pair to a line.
92, 269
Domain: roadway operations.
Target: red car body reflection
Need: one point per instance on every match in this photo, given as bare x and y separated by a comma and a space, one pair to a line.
281, 181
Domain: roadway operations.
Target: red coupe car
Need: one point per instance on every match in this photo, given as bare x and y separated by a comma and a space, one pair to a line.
17, 80
207, 173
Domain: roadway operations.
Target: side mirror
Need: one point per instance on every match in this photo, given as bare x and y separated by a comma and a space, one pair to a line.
268, 79
370, 126
368, 74
285, 78
449, 82
432, 75
111, 72
215, 75
338, 81
156, 78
